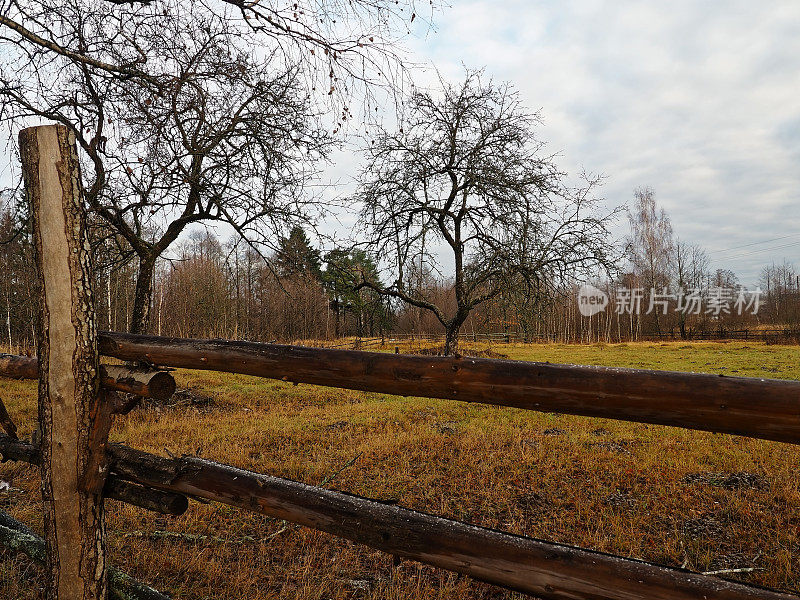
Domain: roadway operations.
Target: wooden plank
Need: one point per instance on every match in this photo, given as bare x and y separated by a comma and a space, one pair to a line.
761, 408
159, 385
69, 367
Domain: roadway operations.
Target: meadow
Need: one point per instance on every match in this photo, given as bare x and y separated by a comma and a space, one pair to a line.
708, 502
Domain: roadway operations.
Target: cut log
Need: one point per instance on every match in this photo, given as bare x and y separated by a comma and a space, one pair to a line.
19, 367
17, 537
68, 365
159, 385
761, 408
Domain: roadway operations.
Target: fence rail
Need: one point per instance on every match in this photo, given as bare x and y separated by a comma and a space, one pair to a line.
756, 407
761, 408
775, 334
524, 564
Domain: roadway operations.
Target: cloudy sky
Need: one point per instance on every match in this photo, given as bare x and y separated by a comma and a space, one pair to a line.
698, 100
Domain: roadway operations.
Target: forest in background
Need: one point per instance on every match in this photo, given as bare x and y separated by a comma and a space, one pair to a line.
218, 289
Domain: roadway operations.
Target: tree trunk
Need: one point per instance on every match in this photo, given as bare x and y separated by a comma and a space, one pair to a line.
143, 297
68, 381
451, 340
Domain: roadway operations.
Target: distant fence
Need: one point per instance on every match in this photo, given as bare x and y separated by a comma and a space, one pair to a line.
774, 335
760, 408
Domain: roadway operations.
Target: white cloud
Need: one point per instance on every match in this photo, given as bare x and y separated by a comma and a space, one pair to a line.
697, 100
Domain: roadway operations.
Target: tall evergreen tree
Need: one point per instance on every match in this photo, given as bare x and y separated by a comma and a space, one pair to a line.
296, 255
344, 270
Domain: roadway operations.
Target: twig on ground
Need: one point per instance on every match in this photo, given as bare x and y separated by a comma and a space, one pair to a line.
349, 463
189, 537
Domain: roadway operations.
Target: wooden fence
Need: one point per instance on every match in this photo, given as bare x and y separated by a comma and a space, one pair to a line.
768, 409
776, 335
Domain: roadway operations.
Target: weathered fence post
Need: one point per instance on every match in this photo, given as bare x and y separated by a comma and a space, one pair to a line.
68, 361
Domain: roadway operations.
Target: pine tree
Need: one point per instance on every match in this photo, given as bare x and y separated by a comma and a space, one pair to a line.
296, 255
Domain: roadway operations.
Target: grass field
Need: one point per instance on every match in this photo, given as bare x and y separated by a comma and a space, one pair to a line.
708, 502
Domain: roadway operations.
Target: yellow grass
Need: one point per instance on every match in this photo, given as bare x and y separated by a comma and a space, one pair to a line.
679, 497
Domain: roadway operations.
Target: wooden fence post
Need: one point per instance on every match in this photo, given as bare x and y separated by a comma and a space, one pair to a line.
68, 360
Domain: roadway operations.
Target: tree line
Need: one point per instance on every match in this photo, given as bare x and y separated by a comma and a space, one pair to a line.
217, 289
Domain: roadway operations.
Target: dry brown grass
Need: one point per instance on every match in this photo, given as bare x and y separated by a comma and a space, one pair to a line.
664, 494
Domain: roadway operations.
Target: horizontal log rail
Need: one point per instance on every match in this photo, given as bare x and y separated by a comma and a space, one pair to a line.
116, 488
524, 564
159, 385
760, 408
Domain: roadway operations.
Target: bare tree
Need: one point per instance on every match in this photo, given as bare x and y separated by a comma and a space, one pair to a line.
229, 136
338, 44
650, 244
690, 267
465, 170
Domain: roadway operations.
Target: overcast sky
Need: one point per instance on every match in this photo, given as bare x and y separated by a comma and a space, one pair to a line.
698, 100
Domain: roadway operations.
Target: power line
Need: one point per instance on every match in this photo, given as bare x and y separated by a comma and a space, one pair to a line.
744, 254
783, 237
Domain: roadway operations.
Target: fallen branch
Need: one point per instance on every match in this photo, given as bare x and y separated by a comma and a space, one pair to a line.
190, 537
18, 538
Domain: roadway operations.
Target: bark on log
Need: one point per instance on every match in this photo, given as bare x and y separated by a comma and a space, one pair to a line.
159, 385
761, 408
17, 537
19, 367
18, 450
527, 565
167, 503
115, 487
69, 366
